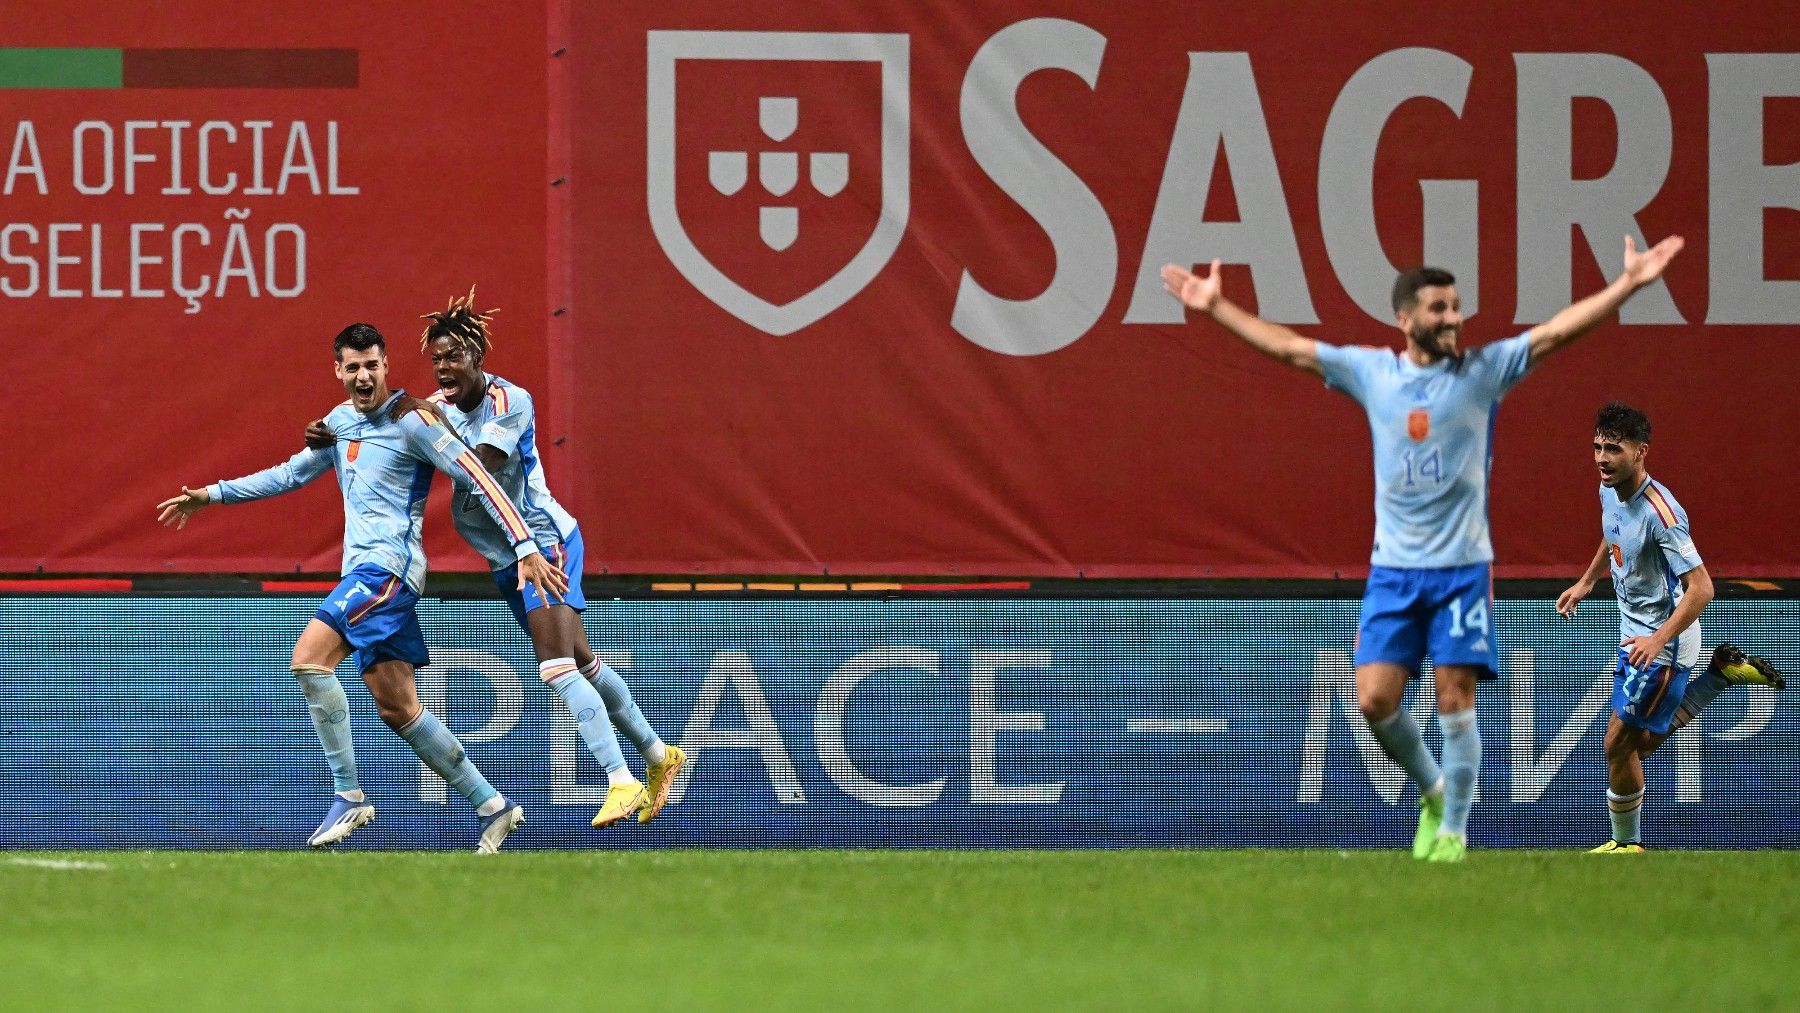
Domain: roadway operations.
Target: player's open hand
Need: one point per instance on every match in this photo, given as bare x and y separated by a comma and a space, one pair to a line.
1643, 268
1196, 292
319, 435
548, 578
176, 510
1566, 602
1642, 652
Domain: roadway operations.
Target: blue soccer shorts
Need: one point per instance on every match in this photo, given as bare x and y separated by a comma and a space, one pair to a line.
374, 611
1444, 612
1647, 698
568, 554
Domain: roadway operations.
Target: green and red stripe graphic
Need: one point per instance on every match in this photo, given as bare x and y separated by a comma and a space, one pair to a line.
177, 68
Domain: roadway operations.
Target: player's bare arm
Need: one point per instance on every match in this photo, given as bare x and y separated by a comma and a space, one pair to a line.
176, 510
490, 456
1697, 592
1203, 294
1583, 586
1579, 318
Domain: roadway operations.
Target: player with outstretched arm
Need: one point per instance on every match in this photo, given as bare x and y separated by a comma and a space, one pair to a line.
390, 443
1430, 590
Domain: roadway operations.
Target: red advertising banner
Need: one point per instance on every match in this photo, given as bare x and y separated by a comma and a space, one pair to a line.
196, 199
873, 288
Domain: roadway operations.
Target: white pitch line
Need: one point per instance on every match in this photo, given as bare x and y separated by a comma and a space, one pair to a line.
57, 863
1177, 725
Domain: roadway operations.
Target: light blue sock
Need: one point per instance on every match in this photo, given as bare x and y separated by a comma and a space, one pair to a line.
330, 710
438, 747
1404, 743
591, 720
623, 710
1462, 760
1626, 810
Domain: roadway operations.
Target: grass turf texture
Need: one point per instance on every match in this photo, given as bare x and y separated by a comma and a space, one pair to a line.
899, 930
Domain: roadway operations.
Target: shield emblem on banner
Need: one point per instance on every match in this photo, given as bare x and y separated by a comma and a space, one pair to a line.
890, 53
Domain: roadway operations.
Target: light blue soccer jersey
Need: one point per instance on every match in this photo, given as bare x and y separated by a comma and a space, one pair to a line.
506, 419
1648, 540
1433, 430
384, 471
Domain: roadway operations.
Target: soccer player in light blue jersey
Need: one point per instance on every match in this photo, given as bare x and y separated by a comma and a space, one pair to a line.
1662, 586
499, 420
391, 441
1430, 589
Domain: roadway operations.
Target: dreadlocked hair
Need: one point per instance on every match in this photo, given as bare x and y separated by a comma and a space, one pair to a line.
461, 323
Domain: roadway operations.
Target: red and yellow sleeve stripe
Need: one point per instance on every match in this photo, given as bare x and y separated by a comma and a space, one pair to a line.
1661, 506
515, 525
498, 393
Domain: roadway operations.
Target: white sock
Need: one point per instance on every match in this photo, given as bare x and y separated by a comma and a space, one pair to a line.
491, 806
352, 796
619, 775
656, 752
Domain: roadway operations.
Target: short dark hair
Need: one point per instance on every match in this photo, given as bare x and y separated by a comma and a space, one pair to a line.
1407, 286
360, 337
1619, 421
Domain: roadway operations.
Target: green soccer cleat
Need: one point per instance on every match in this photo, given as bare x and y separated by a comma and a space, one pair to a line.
661, 777
1431, 816
1615, 848
1740, 669
1448, 848
622, 800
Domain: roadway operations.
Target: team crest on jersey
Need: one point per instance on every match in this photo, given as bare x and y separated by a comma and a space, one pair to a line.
352, 450
1617, 554
1418, 424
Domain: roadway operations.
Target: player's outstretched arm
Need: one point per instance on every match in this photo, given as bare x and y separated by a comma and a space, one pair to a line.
1696, 594
1584, 586
430, 436
1575, 320
1203, 294
287, 476
175, 511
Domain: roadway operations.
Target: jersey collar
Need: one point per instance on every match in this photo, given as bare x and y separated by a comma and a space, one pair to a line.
382, 408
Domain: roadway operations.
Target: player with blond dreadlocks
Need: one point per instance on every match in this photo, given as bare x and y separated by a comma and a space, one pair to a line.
497, 418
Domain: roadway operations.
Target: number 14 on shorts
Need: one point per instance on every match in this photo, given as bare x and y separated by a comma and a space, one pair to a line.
1473, 616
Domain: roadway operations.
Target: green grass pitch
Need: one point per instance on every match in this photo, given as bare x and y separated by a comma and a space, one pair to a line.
904, 930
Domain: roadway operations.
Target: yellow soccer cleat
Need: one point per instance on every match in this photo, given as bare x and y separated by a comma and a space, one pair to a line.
1448, 848
1740, 669
1615, 848
661, 777
1431, 816
622, 800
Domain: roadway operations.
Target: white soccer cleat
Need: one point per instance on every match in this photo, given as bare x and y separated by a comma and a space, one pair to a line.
496, 828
